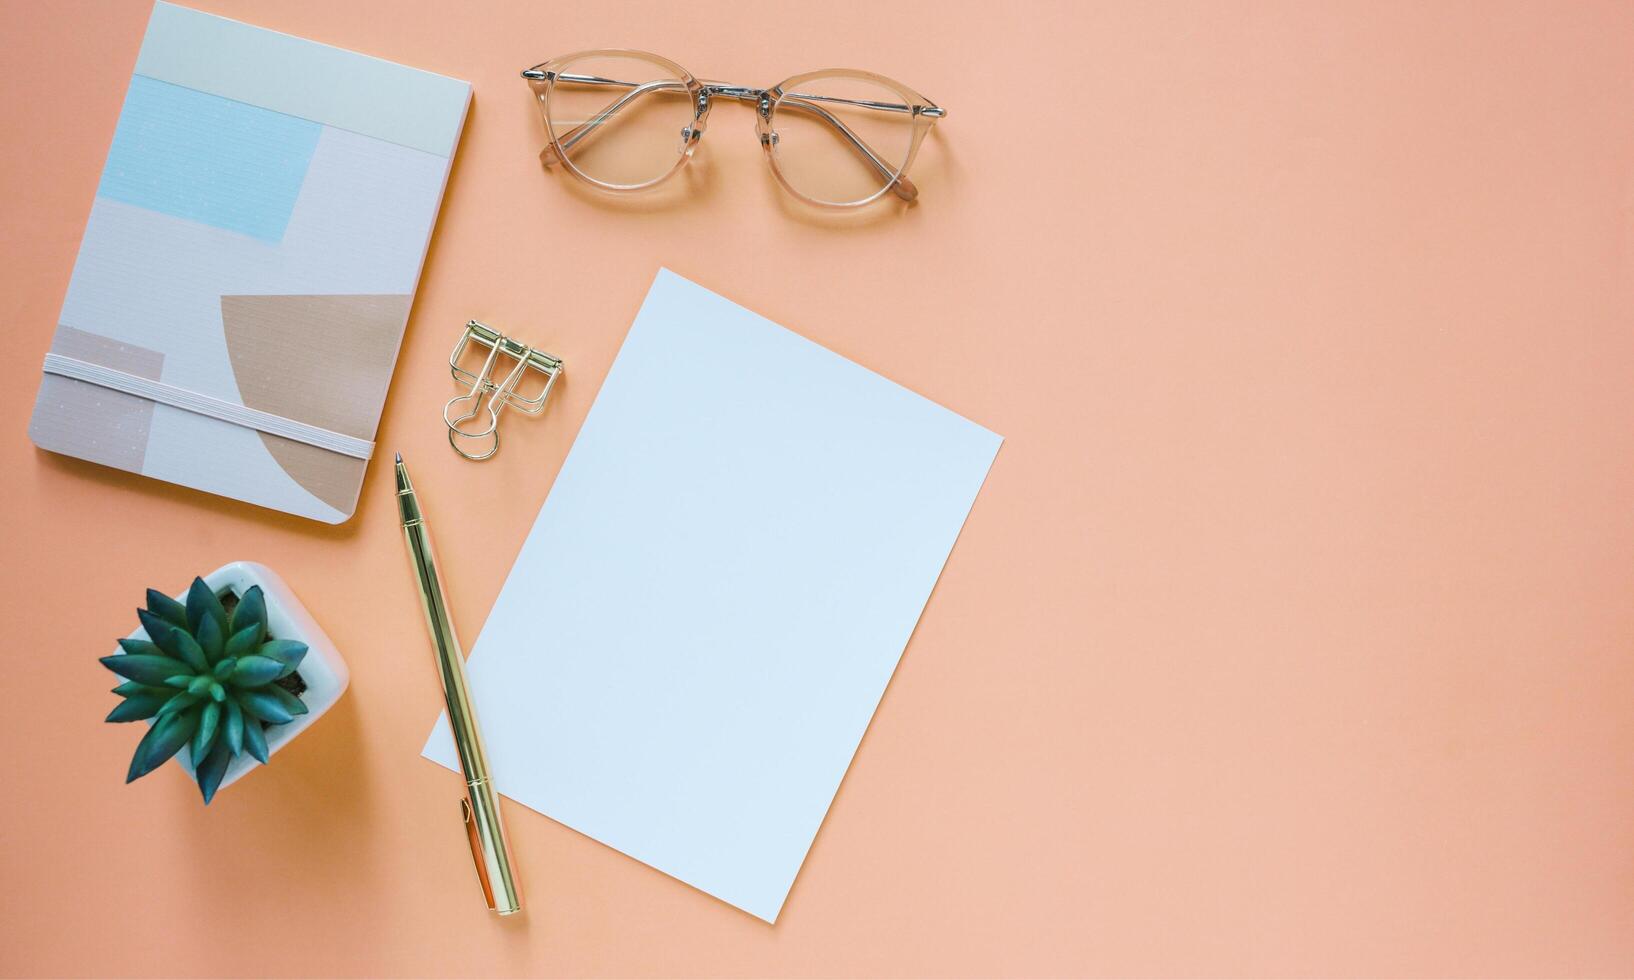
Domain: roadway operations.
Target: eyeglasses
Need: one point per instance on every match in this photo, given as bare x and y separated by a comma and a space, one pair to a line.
627, 120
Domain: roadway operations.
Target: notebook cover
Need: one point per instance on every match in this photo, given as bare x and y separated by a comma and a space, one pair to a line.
256, 237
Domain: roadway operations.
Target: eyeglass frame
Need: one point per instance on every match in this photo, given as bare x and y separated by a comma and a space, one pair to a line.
542, 78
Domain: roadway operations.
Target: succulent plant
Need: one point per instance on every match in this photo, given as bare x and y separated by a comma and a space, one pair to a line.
208, 679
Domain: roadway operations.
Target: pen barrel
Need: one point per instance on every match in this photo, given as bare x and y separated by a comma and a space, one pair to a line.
449, 655
480, 810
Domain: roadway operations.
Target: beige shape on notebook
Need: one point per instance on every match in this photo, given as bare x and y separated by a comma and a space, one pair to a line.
344, 347
81, 419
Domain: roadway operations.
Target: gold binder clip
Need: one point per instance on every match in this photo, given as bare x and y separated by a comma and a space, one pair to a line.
485, 396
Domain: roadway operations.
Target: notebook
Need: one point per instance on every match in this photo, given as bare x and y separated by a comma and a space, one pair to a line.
705, 614
242, 286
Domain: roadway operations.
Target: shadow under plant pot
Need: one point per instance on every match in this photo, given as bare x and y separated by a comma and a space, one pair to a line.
271, 705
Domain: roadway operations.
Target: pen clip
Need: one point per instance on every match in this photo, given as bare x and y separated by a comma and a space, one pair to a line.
476, 851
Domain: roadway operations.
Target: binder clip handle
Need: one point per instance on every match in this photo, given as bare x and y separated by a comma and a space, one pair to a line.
454, 435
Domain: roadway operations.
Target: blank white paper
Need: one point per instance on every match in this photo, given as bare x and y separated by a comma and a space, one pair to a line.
716, 592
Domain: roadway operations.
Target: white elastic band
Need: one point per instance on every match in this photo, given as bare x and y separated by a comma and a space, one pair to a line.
192, 401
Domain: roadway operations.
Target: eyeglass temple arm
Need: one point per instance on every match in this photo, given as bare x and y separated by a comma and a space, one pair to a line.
901, 185
571, 138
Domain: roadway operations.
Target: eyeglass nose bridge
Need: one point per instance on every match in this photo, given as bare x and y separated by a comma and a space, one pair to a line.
741, 93
707, 93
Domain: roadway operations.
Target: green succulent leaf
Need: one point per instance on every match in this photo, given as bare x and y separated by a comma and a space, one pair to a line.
136, 707
289, 652
144, 648
291, 703
190, 650
260, 704
161, 632
254, 671
232, 727
201, 603
144, 668
255, 739
204, 737
245, 641
167, 608
212, 640
204, 679
211, 770
179, 702
162, 741
251, 613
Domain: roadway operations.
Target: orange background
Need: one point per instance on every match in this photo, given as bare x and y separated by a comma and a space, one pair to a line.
1293, 632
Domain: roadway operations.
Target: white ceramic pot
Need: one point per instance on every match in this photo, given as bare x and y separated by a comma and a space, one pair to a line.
322, 669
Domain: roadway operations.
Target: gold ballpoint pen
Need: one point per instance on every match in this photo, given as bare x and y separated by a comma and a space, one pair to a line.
480, 808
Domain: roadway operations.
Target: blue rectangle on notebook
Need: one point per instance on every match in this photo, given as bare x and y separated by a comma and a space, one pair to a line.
204, 158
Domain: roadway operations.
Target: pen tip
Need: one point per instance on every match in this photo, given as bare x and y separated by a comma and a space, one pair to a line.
406, 508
